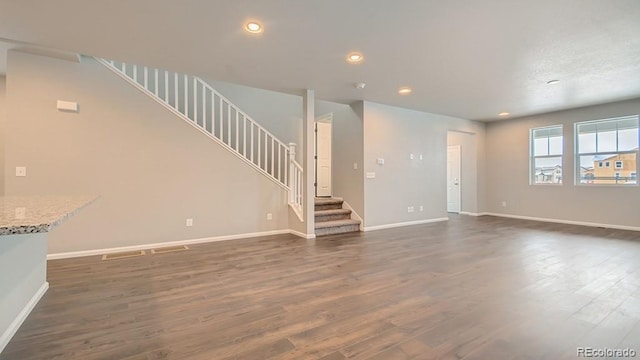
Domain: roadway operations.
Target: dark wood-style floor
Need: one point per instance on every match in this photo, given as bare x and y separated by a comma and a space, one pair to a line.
472, 288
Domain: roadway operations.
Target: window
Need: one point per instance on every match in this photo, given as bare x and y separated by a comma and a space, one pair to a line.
607, 151
546, 155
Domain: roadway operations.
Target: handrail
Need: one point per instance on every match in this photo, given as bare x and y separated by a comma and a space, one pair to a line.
196, 102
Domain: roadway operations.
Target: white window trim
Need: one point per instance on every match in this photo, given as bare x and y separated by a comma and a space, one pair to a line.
532, 157
577, 154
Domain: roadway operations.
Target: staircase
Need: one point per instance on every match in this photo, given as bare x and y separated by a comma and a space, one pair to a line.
332, 219
197, 103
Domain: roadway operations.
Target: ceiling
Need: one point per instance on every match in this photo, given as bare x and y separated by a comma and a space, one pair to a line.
469, 59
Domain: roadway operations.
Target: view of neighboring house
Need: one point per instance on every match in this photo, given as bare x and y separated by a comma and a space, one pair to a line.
614, 169
549, 175
586, 175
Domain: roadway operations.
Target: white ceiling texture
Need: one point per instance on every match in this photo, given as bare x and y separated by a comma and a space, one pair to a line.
470, 59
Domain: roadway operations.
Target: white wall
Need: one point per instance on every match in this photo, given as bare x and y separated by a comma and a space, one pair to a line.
152, 169
393, 134
508, 173
3, 108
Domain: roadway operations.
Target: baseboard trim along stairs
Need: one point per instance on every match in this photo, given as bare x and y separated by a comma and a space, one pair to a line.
331, 218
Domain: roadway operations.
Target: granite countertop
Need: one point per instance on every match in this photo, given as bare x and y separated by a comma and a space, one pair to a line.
38, 214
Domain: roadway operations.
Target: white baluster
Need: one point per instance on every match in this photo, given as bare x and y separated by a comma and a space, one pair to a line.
204, 107
175, 91
272, 154
166, 86
186, 96
156, 83
221, 120
195, 101
251, 123
244, 135
228, 124
259, 150
237, 146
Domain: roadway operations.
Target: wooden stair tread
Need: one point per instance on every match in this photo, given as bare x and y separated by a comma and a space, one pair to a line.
336, 223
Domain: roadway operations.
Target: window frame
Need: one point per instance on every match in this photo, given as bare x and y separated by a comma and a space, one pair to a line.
577, 155
533, 157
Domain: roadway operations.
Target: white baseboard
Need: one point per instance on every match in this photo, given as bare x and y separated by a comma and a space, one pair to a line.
408, 223
74, 254
302, 235
569, 222
17, 322
471, 213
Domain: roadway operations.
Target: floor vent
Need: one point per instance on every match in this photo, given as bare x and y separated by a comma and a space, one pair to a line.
169, 249
123, 255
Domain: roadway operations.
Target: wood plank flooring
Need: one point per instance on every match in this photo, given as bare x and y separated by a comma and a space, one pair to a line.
471, 288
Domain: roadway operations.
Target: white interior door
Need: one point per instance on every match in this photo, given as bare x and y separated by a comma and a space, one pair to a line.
453, 179
323, 159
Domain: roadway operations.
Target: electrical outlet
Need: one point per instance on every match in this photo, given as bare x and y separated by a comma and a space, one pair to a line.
269, 216
504, 204
189, 222
411, 156
380, 161
410, 209
421, 208
21, 171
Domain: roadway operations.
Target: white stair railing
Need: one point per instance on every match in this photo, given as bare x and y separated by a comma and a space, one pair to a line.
295, 195
196, 102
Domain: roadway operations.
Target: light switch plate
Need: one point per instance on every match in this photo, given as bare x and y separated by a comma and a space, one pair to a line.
21, 171
71, 106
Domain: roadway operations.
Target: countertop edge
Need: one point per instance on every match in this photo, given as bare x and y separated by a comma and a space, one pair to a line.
45, 227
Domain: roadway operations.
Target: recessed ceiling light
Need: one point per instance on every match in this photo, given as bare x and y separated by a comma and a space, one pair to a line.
355, 58
405, 90
253, 27
551, 82
504, 114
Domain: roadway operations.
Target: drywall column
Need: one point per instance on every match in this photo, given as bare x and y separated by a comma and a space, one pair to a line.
3, 111
23, 270
308, 128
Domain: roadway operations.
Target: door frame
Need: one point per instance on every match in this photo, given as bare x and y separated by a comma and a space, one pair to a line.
326, 118
459, 148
